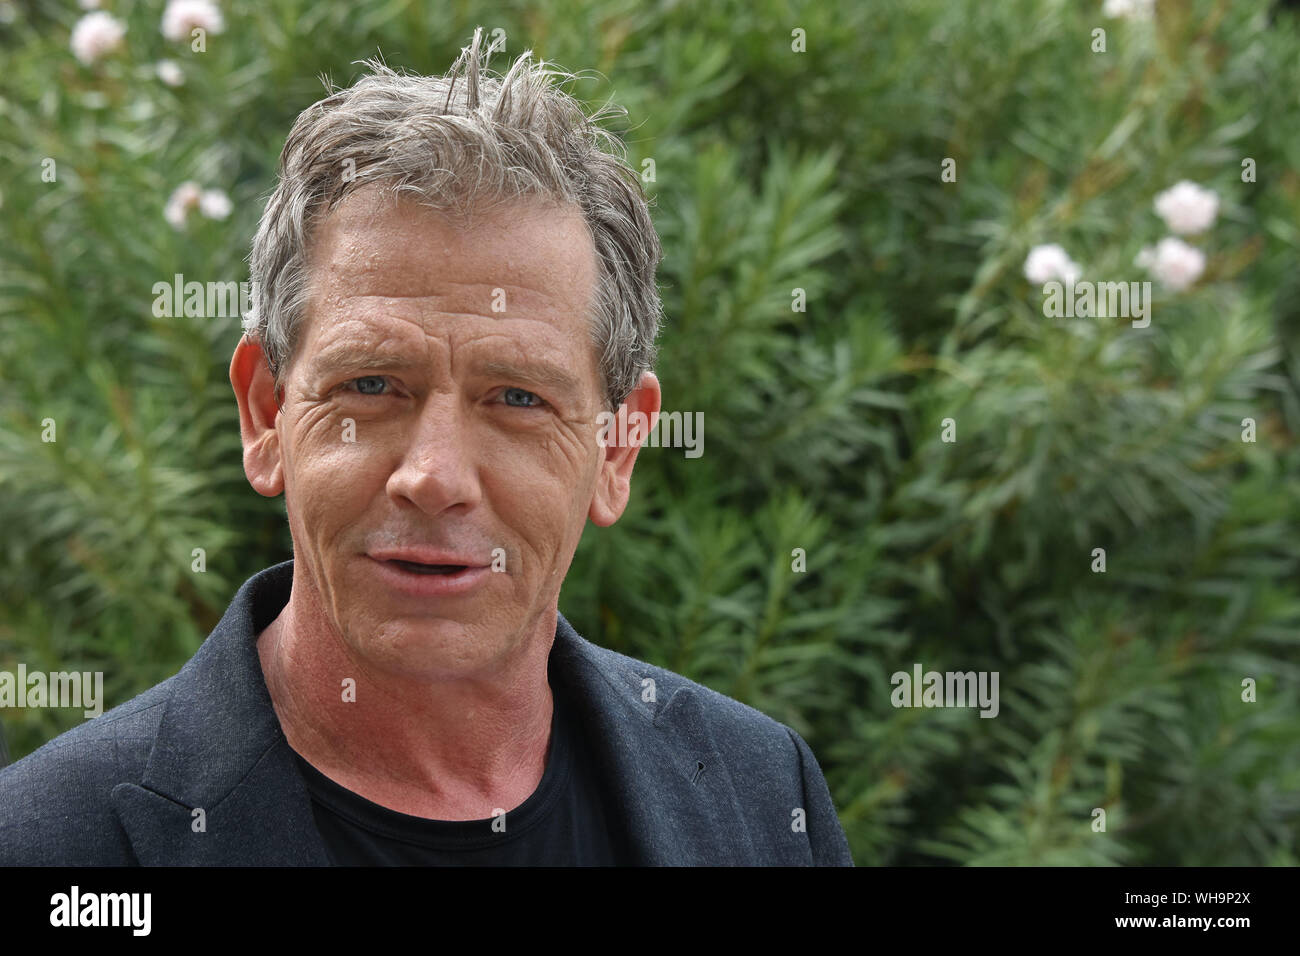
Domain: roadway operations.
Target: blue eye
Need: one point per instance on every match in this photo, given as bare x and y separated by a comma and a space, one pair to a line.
369, 385
521, 398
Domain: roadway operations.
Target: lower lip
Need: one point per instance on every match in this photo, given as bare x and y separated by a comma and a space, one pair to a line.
430, 585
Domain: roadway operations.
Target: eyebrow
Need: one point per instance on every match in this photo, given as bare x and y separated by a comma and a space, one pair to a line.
345, 359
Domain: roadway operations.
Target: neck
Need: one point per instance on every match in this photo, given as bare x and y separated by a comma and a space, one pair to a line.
451, 749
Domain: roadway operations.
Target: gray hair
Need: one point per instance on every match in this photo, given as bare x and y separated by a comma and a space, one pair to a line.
459, 147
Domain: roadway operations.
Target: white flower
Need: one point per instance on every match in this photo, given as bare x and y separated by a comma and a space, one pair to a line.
95, 35
185, 197
1129, 9
1176, 264
1045, 263
214, 204
182, 16
1186, 208
169, 72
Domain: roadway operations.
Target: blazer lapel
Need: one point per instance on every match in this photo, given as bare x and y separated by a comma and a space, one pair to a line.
262, 822
670, 784
220, 786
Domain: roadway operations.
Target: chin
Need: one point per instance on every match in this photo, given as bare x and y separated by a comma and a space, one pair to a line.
425, 647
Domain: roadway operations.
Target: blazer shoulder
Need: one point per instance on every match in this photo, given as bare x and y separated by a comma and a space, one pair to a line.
631, 675
743, 733
55, 803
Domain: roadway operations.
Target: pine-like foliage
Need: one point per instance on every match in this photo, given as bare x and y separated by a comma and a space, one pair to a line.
775, 171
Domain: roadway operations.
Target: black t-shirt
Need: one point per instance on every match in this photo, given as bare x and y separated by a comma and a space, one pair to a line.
566, 822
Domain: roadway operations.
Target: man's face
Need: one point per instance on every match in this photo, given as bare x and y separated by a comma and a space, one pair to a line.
440, 409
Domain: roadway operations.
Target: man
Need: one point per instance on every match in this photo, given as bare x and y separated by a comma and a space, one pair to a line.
451, 282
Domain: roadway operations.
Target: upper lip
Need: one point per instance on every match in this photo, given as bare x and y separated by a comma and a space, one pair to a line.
423, 556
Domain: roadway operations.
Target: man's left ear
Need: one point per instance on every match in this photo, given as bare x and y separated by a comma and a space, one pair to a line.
633, 421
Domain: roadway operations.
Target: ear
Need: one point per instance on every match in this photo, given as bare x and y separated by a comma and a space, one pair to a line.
250, 374
633, 421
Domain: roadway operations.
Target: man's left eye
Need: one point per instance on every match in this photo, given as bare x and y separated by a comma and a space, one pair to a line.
368, 385
519, 398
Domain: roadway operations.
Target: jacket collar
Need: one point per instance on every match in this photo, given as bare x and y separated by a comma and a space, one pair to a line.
219, 748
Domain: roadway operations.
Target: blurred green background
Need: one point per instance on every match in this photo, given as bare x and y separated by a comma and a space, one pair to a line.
775, 170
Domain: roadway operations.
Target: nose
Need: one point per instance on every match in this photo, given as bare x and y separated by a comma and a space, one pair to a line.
439, 467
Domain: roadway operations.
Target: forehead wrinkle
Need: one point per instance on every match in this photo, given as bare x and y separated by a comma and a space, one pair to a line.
370, 313
339, 293
373, 327
551, 349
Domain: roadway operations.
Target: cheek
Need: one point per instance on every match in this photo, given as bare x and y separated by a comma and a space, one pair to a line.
332, 468
541, 483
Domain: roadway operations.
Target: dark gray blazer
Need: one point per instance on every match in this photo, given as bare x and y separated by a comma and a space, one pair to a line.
698, 778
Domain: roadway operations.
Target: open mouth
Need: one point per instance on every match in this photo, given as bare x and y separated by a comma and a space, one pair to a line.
416, 568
